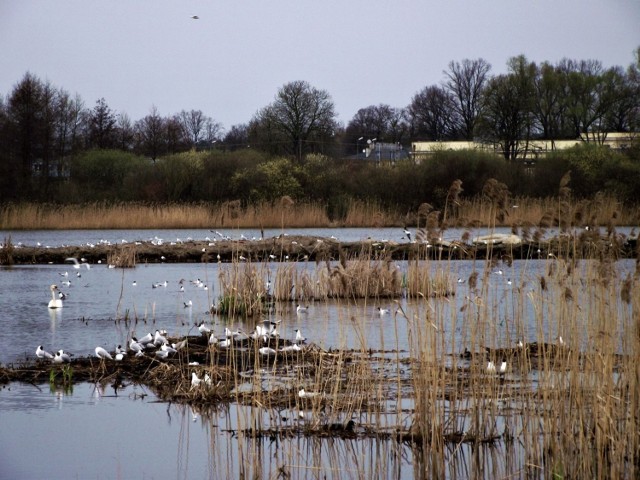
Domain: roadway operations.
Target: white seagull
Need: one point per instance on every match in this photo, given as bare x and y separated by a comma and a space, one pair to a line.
491, 367
76, 263
159, 339
300, 309
303, 394
101, 353
267, 351
136, 346
383, 311
61, 357
503, 367
203, 329
291, 348
42, 353
299, 336
148, 338
54, 302
195, 381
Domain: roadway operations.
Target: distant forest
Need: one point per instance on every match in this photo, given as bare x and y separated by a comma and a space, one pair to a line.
53, 148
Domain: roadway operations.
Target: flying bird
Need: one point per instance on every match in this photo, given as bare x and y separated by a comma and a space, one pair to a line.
195, 17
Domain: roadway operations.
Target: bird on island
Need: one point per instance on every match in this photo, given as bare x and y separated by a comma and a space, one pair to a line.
102, 354
168, 348
148, 338
299, 337
491, 367
195, 381
303, 394
267, 351
54, 302
226, 343
207, 380
300, 309
42, 353
503, 367
162, 354
159, 339
203, 329
119, 356
61, 357
291, 348
179, 345
136, 346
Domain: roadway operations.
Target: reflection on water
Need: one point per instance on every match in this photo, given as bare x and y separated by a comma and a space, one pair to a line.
95, 431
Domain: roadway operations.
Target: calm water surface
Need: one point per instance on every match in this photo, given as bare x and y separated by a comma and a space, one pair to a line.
92, 433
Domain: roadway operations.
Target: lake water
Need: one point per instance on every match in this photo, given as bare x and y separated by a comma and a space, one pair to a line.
91, 433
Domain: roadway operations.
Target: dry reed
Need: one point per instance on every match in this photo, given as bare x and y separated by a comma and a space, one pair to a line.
458, 212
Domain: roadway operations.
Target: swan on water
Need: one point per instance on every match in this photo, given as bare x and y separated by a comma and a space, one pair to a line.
54, 302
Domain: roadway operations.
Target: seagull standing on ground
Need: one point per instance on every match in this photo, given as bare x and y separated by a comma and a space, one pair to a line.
101, 353
42, 353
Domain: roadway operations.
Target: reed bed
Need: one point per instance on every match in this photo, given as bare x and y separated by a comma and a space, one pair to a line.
567, 330
474, 212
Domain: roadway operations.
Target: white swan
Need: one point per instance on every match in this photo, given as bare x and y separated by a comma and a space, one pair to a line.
54, 302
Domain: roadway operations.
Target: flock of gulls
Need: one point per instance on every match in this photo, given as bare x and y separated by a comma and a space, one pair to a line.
157, 345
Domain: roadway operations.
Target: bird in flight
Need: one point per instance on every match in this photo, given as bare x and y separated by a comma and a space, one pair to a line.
195, 17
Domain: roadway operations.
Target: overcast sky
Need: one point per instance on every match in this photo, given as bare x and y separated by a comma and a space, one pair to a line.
232, 60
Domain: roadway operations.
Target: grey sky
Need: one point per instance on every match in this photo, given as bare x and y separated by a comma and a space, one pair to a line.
232, 61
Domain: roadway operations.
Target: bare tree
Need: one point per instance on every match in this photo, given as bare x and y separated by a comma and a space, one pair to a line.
302, 114
237, 137
432, 114
507, 108
193, 122
150, 134
383, 122
466, 81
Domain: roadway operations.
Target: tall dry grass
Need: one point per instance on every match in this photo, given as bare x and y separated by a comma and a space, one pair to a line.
474, 212
31, 216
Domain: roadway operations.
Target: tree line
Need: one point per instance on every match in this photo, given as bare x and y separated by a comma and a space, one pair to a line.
49, 136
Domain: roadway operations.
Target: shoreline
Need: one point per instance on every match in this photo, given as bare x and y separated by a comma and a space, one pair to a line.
304, 248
